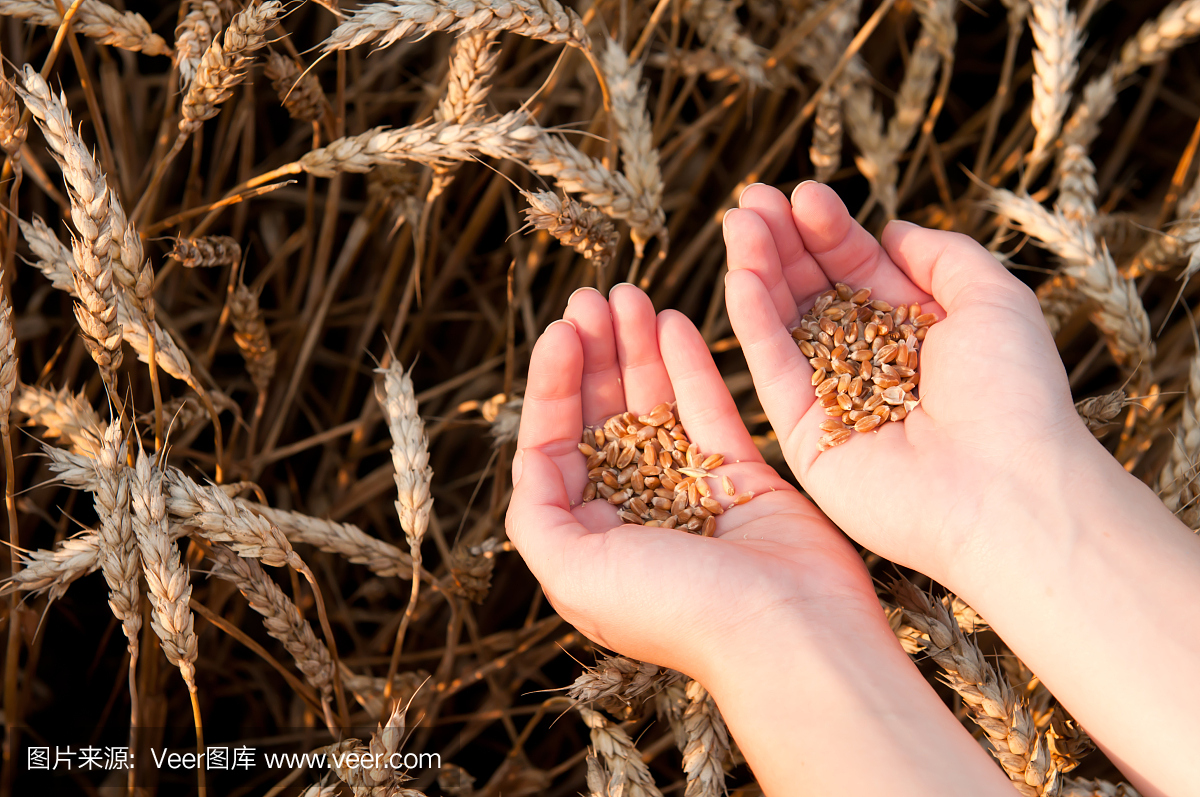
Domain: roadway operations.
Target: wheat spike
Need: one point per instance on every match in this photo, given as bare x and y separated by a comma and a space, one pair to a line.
719, 29
193, 36
92, 273
1099, 411
252, 337
219, 518
94, 19
298, 90
51, 572
584, 229
410, 452
617, 683
1055, 61
1178, 484
1119, 312
707, 750
223, 65
384, 23
281, 618
639, 158
1155, 40
601, 782
12, 132
65, 415
366, 770
1023, 754
619, 754
8, 364
211, 251
166, 577
819, 54
1081, 787
118, 545
343, 539
468, 83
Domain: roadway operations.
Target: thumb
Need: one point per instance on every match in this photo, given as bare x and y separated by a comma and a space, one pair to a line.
953, 268
539, 520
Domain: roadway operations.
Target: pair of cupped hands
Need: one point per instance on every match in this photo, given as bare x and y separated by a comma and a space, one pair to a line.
993, 390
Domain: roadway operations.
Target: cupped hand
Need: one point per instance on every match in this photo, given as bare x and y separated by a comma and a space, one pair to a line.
995, 412
661, 595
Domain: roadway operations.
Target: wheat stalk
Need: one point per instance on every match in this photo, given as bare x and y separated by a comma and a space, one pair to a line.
1119, 312
619, 754
1023, 754
299, 90
92, 269
584, 229
706, 752
1055, 61
94, 19
281, 618
223, 65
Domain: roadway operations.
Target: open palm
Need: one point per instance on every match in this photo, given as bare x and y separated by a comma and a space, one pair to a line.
994, 395
660, 595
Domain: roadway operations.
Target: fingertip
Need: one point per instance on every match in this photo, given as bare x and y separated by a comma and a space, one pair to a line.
796, 190
583, 292
747, 189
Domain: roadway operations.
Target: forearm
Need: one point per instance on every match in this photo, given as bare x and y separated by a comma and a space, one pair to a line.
841, 710
1096, 586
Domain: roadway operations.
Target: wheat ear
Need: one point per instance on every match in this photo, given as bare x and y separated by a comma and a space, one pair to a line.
819, 54
617, 683
92, 270
223, 65
1006, 721
343, 539
1055, 61
94, 19
1178, 486
719, 29
1099, 411
384, 23
193, 35
299, 90
619, 754
211, 251
707, 750
8, 364
1081, 787
468, 83
1155, 40
252, 337
51, 572
601, 782
1119, 312
367, 773
584, 229
639, 157
12, 132
65, 415
281, 618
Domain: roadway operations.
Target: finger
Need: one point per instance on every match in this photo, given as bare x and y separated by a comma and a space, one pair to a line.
552, 415
801, 273
844, 250
953, 268
782, 376
603, 396
706, 409
539, 520
643, 374
752, 246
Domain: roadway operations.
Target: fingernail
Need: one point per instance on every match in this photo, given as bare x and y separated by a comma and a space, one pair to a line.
725, 218
792, 198
581, 290
517, 465
744, 190
618, 285
561, 321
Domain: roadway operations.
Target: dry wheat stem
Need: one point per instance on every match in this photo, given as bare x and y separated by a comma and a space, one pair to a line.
94, 19
1006, 721
92, 269
619, 753
584, 229
1119, 312
706, 753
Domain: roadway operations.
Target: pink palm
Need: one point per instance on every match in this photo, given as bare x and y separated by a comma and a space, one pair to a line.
991, 378
656, 594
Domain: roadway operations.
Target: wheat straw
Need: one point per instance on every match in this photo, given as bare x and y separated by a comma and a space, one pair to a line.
94, 19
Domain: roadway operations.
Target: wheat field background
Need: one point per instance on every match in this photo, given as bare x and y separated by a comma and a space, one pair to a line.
303, 253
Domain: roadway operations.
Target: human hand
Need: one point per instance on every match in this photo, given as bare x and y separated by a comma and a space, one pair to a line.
662, 595
996, 420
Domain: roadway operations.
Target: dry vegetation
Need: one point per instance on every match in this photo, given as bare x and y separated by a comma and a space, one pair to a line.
304, 225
